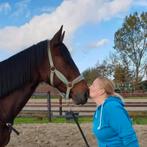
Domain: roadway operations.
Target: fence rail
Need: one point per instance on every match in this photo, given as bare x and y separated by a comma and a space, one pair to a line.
39, 108
89, 104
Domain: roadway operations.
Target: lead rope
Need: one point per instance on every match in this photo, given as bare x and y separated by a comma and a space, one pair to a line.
78, 125
76, 121
9, 125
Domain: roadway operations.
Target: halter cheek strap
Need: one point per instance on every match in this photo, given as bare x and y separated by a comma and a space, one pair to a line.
68, 84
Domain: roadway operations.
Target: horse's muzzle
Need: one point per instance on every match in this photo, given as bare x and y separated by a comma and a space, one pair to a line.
81, 98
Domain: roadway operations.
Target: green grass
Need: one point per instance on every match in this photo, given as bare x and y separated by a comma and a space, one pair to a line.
85, 119
27, 120
140, 120
43, 97
39, 97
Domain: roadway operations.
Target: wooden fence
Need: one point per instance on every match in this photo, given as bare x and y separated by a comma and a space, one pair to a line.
58, 107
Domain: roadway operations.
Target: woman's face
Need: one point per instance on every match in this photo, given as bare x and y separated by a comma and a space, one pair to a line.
96, 89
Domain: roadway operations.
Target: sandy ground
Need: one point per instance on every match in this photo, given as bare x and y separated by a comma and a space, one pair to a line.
61, 135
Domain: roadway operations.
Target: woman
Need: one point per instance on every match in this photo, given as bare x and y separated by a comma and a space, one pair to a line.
111, 123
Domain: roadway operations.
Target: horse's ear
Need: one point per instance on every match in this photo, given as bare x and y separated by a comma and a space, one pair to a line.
62, 37
58, 37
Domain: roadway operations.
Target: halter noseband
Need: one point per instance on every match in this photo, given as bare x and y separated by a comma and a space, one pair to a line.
68, 84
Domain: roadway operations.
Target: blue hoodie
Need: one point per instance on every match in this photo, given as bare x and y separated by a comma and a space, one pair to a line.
112, 125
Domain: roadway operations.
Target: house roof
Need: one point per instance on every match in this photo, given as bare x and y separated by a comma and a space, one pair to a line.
45, 88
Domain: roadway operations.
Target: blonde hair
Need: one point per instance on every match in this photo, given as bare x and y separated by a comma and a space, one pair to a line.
109, 87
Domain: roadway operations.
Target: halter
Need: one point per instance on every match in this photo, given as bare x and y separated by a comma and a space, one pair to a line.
54, 71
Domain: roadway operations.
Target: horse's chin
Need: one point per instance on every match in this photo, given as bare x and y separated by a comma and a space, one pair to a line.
80, 101
80, 98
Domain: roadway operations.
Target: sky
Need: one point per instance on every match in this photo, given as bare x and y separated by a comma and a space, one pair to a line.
89, 25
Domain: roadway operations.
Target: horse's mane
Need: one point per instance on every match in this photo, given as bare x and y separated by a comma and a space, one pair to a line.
66, 55
17, 70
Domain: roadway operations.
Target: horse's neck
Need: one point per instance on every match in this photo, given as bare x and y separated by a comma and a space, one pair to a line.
13, 104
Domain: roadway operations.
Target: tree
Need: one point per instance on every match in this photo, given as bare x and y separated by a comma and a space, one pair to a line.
90, 75
105, 69
131, 42
122, 78
119, 74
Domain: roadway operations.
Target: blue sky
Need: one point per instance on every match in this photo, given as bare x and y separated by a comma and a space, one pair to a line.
89, 24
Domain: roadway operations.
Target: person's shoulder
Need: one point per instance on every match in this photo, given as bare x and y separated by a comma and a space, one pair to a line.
113, 102
114, 107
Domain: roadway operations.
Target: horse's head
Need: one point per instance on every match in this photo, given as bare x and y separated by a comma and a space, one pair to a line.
64, 74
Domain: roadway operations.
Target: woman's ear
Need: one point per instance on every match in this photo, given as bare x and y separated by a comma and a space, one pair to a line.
101, 91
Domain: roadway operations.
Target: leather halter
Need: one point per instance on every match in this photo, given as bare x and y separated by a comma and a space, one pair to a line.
56, 72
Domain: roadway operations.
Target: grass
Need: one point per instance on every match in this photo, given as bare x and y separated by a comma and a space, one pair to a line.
140, 120
28, 120
43, 97
35, 120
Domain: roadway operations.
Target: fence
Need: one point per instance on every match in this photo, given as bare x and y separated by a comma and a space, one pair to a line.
58, 107
134, 94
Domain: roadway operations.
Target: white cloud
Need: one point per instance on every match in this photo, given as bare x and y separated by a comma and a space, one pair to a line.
46, 9
71, 13
99, 43
5, 7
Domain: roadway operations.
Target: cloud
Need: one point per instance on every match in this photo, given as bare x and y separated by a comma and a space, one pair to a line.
46, 9
5, 7
71, 13
99, 43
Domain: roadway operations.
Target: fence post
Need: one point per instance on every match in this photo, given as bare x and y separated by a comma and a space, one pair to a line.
60, 105
49, 107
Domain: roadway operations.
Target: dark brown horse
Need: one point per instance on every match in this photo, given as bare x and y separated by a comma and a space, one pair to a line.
47, 61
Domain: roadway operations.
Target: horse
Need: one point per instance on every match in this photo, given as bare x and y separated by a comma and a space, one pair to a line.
48, 61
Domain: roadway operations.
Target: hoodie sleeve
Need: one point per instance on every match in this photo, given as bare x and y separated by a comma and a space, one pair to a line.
120, 122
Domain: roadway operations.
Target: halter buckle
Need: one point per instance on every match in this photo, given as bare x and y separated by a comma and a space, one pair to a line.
52, 68
70, 85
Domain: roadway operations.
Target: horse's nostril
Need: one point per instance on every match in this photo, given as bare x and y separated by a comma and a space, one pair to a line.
87, 94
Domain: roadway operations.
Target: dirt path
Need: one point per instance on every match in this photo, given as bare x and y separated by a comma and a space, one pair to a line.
61, 135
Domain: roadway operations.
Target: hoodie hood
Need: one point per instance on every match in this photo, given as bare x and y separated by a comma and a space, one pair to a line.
116, 99
109, 99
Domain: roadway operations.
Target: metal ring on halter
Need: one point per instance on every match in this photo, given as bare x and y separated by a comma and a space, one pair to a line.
70, 85
52, 68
